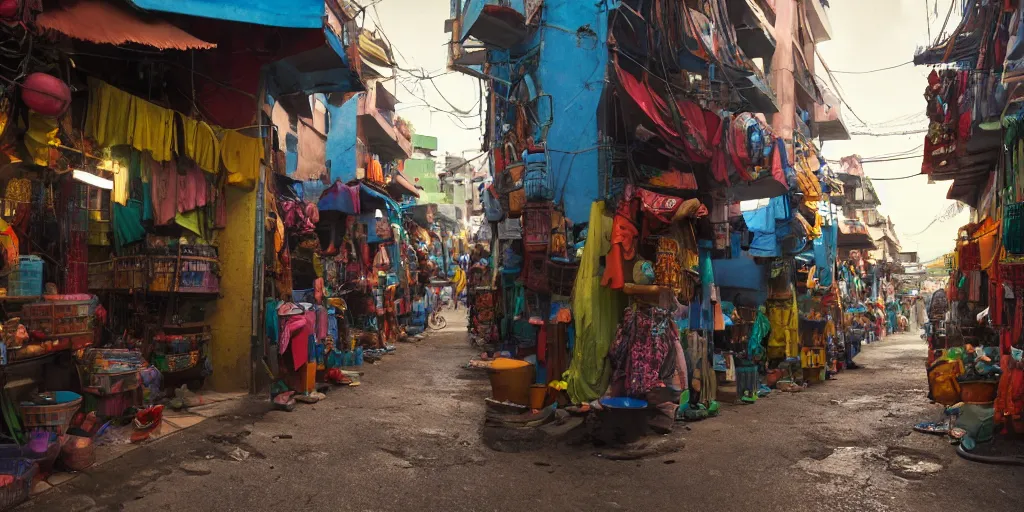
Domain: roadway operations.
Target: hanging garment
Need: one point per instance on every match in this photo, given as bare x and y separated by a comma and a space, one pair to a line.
784, 338
108, 114
137, 168
151, 128
596, 312
119, 167
41, 137
164, 189
201, 144
641, 345
127, 222
623, 246
241, 156
374, 171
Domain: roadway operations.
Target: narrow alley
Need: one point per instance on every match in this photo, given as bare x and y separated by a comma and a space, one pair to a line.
409, 439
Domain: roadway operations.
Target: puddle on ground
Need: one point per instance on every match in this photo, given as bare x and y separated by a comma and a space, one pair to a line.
878, 467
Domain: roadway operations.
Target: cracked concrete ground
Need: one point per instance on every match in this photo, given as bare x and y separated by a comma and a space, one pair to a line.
409, 439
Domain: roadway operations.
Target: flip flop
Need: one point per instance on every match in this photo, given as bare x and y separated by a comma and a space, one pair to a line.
284, 401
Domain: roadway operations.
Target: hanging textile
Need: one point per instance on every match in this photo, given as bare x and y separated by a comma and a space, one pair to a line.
127, 222
642, 343
108, 114
201, 144
596, 312
241, 156
151, 128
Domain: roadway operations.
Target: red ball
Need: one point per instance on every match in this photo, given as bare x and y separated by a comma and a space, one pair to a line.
46, 94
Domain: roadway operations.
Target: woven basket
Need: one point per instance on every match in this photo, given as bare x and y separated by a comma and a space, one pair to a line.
16, 492
51, 418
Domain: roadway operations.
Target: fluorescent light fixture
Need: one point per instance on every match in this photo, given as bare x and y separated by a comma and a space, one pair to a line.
91, 179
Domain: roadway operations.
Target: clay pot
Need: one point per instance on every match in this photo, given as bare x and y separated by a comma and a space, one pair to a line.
46, 94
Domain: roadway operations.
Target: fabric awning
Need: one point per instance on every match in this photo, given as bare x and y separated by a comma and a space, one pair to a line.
104, 23
274, 13
401, 185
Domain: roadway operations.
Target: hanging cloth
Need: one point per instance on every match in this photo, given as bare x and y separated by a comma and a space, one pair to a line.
241, 157
127, 222
596, 312
109, 112
201, 144
151, 128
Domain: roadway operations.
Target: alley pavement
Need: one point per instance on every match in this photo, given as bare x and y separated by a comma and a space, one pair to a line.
409, 439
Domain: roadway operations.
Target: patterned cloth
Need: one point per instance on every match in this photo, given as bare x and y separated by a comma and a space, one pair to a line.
642, 343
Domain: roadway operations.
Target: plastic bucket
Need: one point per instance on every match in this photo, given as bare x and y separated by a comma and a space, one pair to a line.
538, 395
512, 385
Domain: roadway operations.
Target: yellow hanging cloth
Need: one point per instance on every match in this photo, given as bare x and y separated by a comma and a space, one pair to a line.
108, 115
596, 313
241, 156
151, 128
40, 137
201, 144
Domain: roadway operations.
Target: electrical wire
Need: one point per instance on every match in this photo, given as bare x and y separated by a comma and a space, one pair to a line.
869, 71
889, 134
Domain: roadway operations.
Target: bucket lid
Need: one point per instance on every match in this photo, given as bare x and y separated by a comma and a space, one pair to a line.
504, 363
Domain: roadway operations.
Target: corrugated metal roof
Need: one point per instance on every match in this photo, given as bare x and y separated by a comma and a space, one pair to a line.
99, 22
274, 13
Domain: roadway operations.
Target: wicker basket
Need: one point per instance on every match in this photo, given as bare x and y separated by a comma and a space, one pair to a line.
17, 491
52, 418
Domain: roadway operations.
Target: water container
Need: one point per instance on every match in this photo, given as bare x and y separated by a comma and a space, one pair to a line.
27, 279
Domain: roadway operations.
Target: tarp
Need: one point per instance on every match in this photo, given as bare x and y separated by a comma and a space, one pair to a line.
104, 23
340, 198
275, 13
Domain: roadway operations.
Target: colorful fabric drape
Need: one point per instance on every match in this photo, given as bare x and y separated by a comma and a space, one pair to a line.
241, 157
596, 312
643, 341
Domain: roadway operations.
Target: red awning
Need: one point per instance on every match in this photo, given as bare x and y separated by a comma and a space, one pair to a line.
100, 22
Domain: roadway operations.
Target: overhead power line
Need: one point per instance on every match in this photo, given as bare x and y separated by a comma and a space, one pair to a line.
869, 71
890, 134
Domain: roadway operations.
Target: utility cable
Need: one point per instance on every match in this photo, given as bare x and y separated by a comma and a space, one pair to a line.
869, 71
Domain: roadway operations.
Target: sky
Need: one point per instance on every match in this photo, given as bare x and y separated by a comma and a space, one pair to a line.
862, 39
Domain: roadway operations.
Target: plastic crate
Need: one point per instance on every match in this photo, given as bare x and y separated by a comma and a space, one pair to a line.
27, 279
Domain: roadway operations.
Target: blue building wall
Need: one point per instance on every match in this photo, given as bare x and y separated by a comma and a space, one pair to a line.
342, 141
573, 67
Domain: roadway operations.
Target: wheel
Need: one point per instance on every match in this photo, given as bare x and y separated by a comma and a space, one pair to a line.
437, 322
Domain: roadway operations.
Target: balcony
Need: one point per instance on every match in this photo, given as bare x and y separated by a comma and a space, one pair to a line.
754, 21
828, 119
817, 17
376, 119
493, 23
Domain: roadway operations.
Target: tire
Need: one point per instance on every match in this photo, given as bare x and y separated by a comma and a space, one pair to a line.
437, 322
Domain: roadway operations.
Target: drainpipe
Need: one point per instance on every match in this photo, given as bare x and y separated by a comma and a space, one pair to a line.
782, 72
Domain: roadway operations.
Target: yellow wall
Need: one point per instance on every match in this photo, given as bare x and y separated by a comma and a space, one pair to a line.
231, 316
